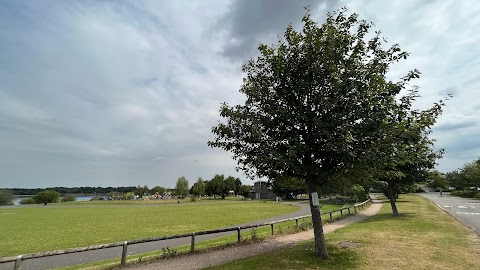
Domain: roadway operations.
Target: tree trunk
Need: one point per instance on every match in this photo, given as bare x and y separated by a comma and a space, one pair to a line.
320, 244
391, 197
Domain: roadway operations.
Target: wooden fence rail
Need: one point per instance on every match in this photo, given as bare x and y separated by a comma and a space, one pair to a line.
124, 244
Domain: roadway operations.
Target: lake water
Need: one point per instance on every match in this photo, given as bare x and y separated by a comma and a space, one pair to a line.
18, 198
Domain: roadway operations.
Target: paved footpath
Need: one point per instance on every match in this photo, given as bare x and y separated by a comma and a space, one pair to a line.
218, 257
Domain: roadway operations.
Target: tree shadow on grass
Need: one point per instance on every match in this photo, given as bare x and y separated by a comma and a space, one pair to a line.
301, 256
389, 216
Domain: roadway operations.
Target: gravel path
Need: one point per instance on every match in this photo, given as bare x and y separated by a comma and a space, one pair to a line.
217, 257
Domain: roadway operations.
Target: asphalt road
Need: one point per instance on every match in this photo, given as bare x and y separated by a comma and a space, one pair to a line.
110, 253
465, 210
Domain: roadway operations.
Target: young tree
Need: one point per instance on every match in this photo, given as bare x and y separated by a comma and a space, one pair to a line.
181, 188
6, 197
405, 154
315, 104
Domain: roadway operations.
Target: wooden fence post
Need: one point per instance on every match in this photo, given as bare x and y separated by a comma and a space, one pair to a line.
124, 254
18, 262
296, 222
349, 210
331, 219
341, 212
192, 245
238, 235
272, 229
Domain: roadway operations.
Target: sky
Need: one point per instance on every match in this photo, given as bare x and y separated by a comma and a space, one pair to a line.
121, 93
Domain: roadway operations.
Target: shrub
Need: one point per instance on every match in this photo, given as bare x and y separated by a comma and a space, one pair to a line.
469, 193
477, 196
456, 192
465, 193
69, 198
6, 197
28, 200
418, 189
48, 196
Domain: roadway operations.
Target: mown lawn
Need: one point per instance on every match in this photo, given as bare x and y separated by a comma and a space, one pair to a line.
423, 237
41, 228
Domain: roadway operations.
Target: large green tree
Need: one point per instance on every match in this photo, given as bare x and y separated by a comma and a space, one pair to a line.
315, 105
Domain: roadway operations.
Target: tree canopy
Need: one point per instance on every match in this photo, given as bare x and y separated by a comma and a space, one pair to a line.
181, 188
317, 106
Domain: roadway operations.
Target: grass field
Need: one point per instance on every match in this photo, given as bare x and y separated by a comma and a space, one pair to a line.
57, 226
423, 237
246, 235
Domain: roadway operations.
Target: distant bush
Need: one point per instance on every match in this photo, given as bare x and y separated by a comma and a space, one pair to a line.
456, 192
97, 198
69, 198
28, 200
465, 193
477, 196
6, 197
48, 196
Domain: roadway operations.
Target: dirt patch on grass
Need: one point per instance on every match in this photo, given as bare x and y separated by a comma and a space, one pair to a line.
348, 244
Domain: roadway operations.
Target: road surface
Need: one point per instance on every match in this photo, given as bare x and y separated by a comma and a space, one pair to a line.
109, 253
465, 210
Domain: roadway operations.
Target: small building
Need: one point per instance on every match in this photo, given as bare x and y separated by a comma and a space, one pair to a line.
262, 190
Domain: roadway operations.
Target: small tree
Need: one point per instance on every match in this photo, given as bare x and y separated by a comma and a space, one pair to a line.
181, 188
405, 154
48, 196
6, 197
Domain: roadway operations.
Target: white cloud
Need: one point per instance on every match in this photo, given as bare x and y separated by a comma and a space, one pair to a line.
123, 93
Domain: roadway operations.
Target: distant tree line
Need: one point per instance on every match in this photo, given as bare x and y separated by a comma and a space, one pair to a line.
71, 190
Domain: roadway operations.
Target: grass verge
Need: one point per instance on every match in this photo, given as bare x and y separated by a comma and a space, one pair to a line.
423, 237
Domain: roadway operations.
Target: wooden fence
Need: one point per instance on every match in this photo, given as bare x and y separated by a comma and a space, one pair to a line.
124, 244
